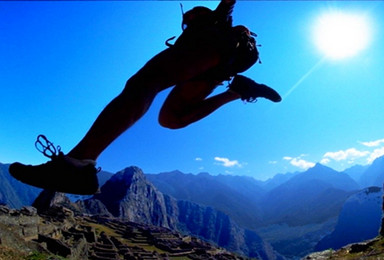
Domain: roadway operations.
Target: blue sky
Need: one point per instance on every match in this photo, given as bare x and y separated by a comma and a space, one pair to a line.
62, 62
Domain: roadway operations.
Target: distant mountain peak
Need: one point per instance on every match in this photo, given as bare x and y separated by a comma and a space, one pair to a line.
128, 173
322, 167
318, 165
125, 177
378, 160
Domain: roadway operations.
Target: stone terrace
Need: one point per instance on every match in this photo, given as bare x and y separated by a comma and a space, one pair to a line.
57, 231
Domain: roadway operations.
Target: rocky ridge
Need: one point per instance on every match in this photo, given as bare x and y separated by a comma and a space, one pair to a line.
127, 197
57, 231
372, 249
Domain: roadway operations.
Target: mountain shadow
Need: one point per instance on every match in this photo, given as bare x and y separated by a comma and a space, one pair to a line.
291, 212
13, 192
359, 220
374, 174
237, 196
130, 197
310, 197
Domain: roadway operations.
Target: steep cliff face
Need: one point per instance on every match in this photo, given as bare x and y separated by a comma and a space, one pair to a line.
369, 249
206, 222
218, 227
359, 220
128, 195
237, 196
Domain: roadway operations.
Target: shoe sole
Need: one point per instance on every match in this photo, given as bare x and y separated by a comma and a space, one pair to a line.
81, 182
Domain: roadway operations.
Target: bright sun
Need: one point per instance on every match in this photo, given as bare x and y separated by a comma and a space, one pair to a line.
341, 35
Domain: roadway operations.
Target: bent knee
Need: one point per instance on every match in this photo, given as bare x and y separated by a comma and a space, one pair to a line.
171, 122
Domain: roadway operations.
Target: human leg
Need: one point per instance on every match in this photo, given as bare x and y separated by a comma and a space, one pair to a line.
121, 113
70, 173
188, 103
168, 68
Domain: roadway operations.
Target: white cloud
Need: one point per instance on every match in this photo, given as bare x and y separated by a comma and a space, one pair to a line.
303, 164
227, 163
298, 162
343, 158
198, 159
325, 161
373, 143
349, 154
375, 154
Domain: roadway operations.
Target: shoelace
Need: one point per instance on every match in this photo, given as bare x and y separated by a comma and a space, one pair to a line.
246, 98
250, 100
46, 147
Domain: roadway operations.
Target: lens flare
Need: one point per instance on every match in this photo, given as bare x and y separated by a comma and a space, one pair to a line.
341, 35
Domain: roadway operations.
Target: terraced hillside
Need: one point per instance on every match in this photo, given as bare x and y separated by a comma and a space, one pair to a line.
58, 234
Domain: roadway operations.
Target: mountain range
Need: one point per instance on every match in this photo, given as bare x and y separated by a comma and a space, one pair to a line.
128, 196
293, 212
234, 195
296, 213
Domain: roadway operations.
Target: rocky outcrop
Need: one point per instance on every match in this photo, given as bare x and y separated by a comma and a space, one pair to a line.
381, 232
128, 196
369, 249
219, 228
93, 207
18, 228
358, 220
57, 231
47, 199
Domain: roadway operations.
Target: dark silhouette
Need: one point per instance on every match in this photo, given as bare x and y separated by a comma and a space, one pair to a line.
209, 51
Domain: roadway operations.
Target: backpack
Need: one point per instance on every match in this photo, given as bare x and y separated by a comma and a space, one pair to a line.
245, 53
198, 16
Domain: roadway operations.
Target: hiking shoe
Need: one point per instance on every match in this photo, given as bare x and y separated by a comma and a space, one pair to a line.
61, 174
249, 90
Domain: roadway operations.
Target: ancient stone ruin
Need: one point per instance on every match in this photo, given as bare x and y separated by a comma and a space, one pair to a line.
57, 231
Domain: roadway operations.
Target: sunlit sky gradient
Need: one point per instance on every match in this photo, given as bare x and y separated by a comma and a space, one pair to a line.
62, 62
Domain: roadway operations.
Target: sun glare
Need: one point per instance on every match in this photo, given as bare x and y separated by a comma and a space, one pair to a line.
341, 35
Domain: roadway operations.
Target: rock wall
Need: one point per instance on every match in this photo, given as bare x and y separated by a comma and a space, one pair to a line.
57, 231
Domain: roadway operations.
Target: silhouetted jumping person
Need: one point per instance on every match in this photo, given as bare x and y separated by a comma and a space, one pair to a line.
209, 51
